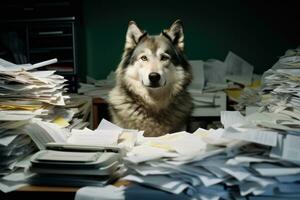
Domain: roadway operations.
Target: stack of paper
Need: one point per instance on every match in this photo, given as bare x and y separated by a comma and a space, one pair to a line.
281, 90
75, 114
39, 86
107, 136
98, 88
24, 94
72, 158
212, 77
239, 160
75, 167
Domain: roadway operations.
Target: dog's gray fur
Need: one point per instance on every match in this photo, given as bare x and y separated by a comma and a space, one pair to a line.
159, 104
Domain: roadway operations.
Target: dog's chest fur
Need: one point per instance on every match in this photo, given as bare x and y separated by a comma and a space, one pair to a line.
131, 112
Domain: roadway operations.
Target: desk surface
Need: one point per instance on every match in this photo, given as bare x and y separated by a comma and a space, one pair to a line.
34, 188
40, 192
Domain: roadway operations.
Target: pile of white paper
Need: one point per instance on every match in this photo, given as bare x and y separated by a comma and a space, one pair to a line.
238, 161
281, 91
19, 82
24, 94
15, 144
215, 75
98, 88
254, 157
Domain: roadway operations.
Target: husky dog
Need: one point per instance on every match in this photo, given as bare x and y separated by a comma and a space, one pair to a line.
151, 80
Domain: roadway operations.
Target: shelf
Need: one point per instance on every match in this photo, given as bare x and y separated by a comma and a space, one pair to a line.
67, 69
35, 36
48, 38
47, 49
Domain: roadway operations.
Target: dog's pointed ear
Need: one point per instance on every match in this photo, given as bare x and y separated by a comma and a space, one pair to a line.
175, 34
133, 35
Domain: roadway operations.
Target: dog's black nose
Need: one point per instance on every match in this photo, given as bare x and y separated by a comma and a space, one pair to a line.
154, 77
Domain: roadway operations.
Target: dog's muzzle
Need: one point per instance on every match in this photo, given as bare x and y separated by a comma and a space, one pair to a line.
154, 79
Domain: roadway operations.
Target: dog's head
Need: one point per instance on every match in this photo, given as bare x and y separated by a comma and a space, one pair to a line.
155, 65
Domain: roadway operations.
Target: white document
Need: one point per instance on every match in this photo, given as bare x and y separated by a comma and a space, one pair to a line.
266, 169
146, 170
8, 66
231, 118
291, 148
89, 137
249, 187
215, 71
198, 74
262, 181
276, 152
251, 109
9, 186
108, 192
238, 70
216, 171
245, 160
6, 140
256, 135
18, 176
206, 178
288, 178
146, 153
161, 182
128, 138
212, 136
200, 99
178, 142
106, 125
240, 173
44, 132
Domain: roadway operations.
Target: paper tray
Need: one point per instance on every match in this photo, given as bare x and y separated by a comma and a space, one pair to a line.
55, 159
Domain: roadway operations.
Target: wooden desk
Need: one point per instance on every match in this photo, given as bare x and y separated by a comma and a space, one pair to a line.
41, 192
34, 188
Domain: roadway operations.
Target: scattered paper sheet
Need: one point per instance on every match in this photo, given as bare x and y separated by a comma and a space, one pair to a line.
259, 136
109, 192
238, 70
231, 118
198, 73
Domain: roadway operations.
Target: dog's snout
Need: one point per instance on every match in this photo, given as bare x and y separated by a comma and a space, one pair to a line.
154, 77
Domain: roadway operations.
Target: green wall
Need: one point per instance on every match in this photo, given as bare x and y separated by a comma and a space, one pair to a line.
211, 29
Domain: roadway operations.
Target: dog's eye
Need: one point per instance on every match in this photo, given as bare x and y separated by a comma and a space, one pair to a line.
164, 58
144, 58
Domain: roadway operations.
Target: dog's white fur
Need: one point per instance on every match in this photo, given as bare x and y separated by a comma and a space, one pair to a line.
138, 102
